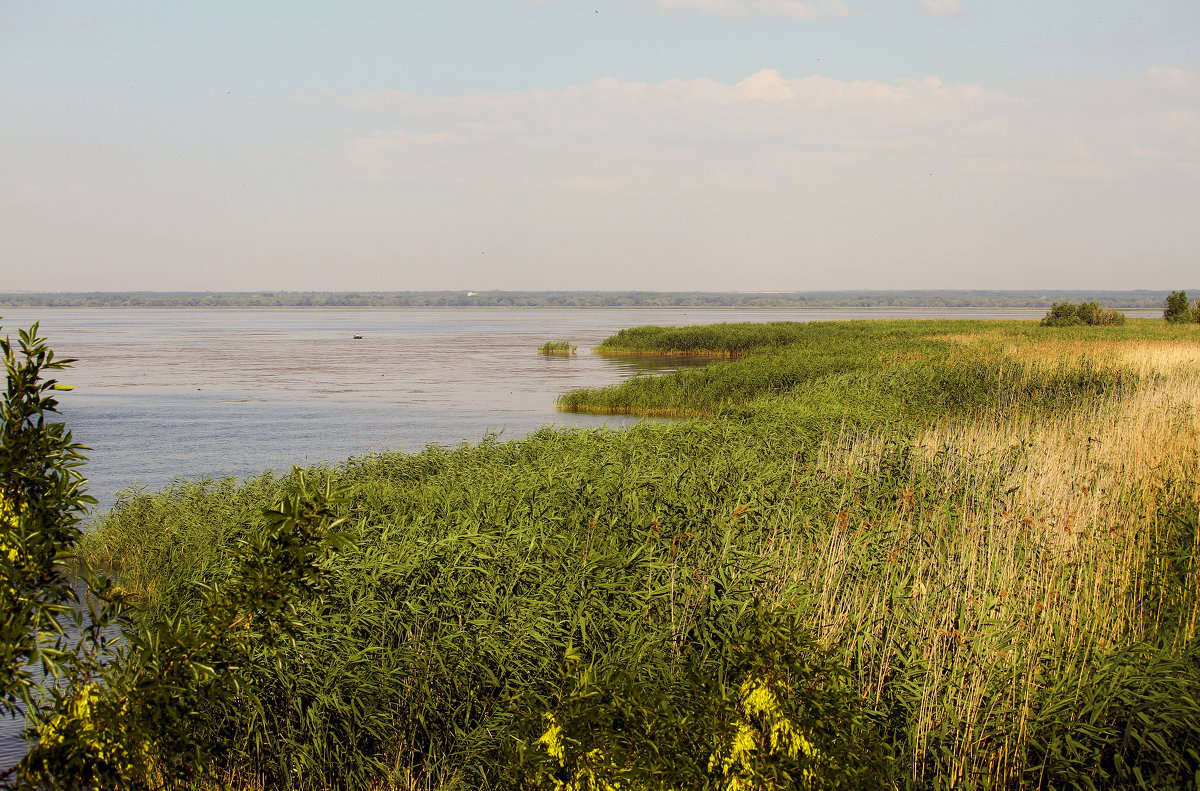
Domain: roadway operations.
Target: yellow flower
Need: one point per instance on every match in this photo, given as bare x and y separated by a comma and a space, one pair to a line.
8, 521
552, 738
79, 711
759, 698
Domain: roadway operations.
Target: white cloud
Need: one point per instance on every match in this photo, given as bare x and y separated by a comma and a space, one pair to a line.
1169, 76
786, 9
942, 7
613, 134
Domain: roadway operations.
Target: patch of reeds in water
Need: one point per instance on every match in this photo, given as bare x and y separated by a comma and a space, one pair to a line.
713, 340
559, 348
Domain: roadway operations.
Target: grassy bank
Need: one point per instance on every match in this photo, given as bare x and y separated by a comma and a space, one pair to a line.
946, 554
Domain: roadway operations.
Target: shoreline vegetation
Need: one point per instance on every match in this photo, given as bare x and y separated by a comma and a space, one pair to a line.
558, 348
729, 340
1136, 300
1064, 314
915, 554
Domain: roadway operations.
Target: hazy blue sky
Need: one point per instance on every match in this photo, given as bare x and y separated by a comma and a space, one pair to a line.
608, 144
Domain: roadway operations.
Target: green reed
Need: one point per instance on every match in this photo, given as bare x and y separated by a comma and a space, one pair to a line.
565, 348
718, 340
868, 367
489, 585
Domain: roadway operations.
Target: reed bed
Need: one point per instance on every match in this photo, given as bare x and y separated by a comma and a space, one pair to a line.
704, 340
1016, 552
997, 543
867, 369
560, 348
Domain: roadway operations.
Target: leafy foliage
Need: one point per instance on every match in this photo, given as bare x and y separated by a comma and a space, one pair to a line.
1176, 309
777, 711
1064, 314
41, 499
135, 724
1130, 720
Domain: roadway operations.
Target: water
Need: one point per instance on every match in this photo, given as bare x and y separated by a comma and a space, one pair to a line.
166, 393
170, 393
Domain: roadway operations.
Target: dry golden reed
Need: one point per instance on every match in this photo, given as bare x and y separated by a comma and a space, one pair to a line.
1018, 545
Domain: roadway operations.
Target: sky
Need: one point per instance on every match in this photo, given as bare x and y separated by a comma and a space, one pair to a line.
669, 145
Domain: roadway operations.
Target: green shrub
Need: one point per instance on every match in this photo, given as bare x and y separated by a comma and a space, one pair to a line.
133, 721
1064, 314
1095, 315
1176, 309
41, 503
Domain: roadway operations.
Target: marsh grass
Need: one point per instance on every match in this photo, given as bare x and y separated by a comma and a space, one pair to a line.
993, 531
704, 340
865, 369
1014, 553
560, 348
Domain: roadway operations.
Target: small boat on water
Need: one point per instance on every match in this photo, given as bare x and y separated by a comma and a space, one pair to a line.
358, 337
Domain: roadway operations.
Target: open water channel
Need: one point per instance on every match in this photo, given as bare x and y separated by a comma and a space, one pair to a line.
170, 393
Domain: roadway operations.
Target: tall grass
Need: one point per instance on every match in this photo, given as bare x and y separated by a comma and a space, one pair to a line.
985, 576
998, 542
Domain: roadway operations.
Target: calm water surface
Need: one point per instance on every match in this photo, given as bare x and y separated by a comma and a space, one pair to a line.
165, 394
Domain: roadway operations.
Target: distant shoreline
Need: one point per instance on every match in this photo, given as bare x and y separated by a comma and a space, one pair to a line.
731, 308
814, 300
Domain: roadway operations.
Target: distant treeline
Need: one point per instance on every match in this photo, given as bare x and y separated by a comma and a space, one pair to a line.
581, 299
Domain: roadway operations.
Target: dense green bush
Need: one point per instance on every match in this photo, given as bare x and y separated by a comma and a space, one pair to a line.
1064, 314
1176, 309
124, 716
41, 502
